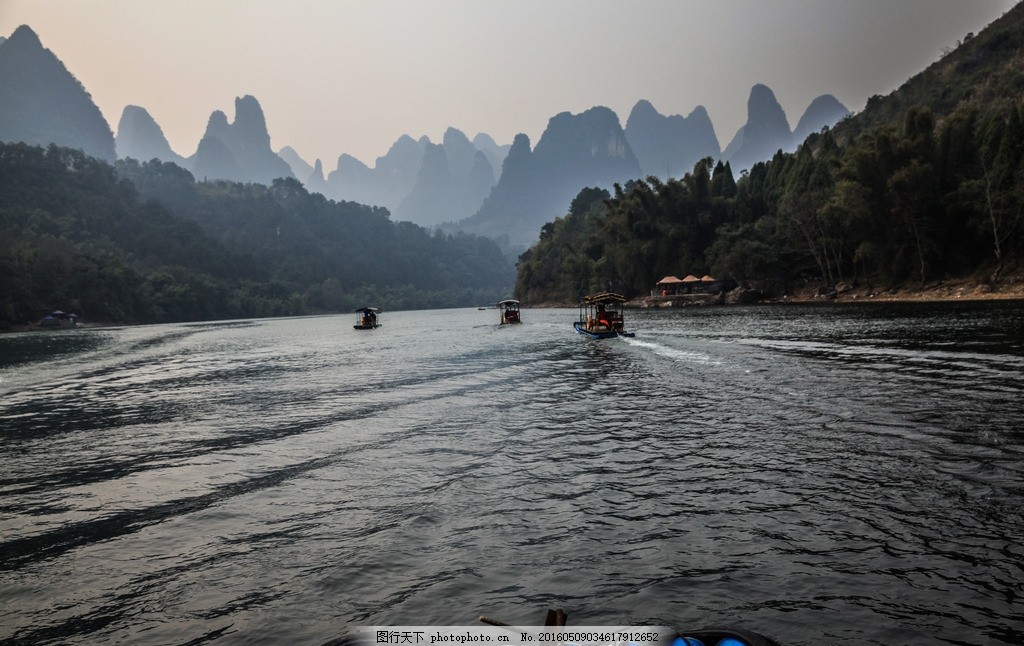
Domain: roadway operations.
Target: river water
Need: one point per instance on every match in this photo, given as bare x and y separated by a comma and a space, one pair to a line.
839, 475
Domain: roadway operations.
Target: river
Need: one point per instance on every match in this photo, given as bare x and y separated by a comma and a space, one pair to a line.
837, 474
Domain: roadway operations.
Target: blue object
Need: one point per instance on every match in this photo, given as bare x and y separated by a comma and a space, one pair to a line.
687, 641
730, 641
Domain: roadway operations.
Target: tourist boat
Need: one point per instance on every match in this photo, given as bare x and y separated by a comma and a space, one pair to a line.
367, 318
509, 311
601, 316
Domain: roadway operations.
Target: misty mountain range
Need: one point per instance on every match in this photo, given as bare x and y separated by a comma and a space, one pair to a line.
478, 186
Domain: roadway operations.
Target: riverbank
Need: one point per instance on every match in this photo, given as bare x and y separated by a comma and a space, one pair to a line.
1010, 287
965, 289
33, 327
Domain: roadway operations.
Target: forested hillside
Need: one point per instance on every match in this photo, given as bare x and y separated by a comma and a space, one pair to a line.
984, 68
881, 202
902, 205
146, 243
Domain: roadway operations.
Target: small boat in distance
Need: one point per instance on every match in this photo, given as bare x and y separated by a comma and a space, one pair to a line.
509, 311
601, 316
366, 318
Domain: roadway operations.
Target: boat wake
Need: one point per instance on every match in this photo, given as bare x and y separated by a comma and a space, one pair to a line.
676, 354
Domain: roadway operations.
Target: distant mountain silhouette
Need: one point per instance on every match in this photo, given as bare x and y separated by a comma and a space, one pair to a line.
669, 146
767, 129
387, 183
495, 154
485, 188
316, 183
213, 160
734, 145
300, 167
765, 132
311, 176
460, 152
141, 138
442, 196
589, 149
238, 151
431, 198
513, 195
448, 184
41, 102
575, 151
826, 110
452, 183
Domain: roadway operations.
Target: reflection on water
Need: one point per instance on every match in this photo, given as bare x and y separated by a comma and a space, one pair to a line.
849, 475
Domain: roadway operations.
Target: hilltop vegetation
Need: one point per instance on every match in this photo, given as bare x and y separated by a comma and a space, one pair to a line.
883, 202
983, 69
146, 243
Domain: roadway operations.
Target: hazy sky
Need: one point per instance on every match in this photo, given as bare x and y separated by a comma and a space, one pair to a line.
351, 76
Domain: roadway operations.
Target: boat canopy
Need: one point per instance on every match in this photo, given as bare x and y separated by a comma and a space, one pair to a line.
508, 301
375, 310
603, 297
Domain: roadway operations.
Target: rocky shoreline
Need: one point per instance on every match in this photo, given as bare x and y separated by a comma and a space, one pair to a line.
944, 291
965, 289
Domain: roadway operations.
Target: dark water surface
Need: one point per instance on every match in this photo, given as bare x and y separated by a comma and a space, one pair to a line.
840, 475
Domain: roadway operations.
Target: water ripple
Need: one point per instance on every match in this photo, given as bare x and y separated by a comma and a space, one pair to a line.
847, 475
